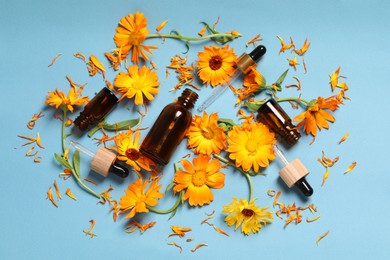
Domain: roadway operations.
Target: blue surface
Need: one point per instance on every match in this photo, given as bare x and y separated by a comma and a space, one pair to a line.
354, 207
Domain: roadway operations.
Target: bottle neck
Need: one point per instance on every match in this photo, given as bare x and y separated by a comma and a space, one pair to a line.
188, 98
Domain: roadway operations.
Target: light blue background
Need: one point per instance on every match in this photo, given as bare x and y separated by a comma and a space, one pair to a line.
354, 207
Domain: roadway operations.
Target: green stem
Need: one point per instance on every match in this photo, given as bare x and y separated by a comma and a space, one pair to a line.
63, 131
249, 179
181, 37
173, 208
299, 100
82, 184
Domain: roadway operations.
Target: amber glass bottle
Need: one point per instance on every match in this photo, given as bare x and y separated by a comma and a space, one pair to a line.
273, 115
96, 109
169, 129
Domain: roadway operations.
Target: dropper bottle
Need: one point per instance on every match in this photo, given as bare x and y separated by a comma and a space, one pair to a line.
243, 66
169, 129
103, 161
293, 173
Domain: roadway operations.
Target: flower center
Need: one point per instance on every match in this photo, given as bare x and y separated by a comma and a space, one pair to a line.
251, 146
247, 212
134, 39
199, 178
215, 62
132, 154
208, 133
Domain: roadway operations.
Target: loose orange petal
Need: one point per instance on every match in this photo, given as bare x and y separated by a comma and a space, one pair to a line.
321, 237
198, 246
179, 231
81, 56
325, 177
89, 231
91, 181
271, 193
350, 168
161, 25
304, 65
313, 219
50, 197
34, 118
58, 193
276, 198
70, 194
220, 231
254, 40
176, 245
29, 152
54, 60
37, 159
344, 138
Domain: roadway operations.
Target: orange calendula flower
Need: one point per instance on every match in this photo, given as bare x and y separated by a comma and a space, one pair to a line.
130, 35
253, 81
216, 64
247, 215
293, 62
205, 136
57, 99
138, 83
197, 179
304, 48
139, 196
250, 146
127, 147
316, 115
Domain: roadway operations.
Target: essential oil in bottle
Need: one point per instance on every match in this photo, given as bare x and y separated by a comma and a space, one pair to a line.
294, 173
277, 120
169, 129
96, 109
103, 161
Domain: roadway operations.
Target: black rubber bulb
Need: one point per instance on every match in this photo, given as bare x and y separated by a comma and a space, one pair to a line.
304, 187
258, 52
119, 168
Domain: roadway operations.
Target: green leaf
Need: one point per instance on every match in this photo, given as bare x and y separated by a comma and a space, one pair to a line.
62, 161
76, 163
226, 123
118, 126
169, 187
280, 80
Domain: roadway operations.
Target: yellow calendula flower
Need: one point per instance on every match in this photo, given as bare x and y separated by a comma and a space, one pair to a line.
130, 35
57, 99
137, 83
247, 215
205, 136
138, 196
216, 64
197, 179
250, 145
127, 147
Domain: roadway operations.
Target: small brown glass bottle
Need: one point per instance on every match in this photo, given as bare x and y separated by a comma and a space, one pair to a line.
96, 109
273, 115
169, 129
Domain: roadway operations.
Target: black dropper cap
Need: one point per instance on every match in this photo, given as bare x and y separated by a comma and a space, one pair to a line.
119, 168
304, 186
258, 52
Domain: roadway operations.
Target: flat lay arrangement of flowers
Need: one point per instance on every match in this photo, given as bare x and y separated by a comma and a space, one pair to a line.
215, 146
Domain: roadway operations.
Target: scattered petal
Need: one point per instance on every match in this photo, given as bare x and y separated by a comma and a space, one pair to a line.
54, 60
344, 138
58, 193
176, 245
321, 237
351, 167
70, 194
198, 246
50, 197
89, 231
313, 219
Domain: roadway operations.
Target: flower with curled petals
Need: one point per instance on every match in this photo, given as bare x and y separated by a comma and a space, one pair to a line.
247, 215
137, 83
216, 65
130, 34
57, 99
197, 179
139, 196
316, 115
205, 136
251, 145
